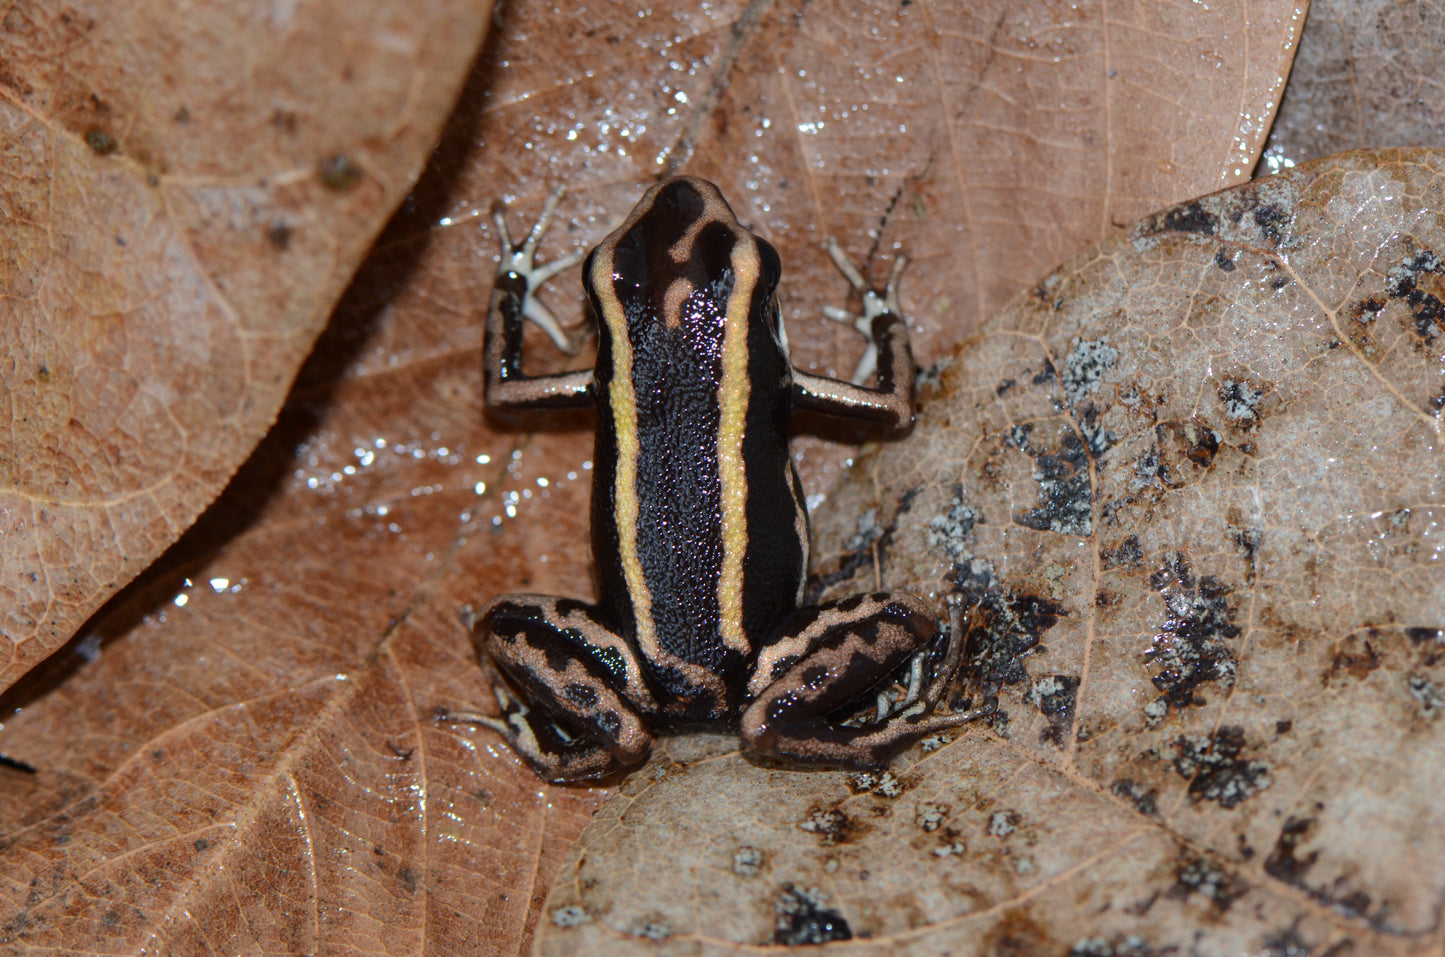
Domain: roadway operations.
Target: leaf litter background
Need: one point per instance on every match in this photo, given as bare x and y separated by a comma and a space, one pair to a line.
182, 209
258, 765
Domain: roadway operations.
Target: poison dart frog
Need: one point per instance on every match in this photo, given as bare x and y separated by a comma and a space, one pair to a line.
699, 527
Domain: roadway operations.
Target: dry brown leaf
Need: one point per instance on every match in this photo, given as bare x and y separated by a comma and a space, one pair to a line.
1368, 74
250, 757
241, 749
183, 202
1192, 488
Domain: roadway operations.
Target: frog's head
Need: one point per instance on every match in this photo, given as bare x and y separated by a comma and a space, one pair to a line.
682, 262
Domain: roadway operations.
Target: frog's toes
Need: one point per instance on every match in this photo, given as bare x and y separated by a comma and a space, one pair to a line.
875, 303
520, 258
500, 725
543, 319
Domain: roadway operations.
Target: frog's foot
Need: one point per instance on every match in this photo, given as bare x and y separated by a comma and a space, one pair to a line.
875, 304
916, 703
481, 719
551, 750
839, 651
569, 717
520, 260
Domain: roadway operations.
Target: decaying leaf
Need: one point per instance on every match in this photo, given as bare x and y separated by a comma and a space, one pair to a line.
183, 197
1191, 487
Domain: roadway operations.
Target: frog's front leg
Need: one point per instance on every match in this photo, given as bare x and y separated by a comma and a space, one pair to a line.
834, 655
514, 302
890, 400
583, 701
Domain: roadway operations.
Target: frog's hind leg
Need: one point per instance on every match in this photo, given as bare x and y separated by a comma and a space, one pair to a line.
840, 654
578, 710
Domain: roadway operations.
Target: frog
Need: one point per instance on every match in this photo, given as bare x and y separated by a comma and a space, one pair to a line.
699, 525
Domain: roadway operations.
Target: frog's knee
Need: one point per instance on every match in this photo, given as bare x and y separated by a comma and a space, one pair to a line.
607, 742
759, 725
629, 740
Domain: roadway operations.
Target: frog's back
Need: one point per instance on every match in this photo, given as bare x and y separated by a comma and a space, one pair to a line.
698, 524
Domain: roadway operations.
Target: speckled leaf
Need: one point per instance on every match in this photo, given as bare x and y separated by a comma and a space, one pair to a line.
182, 201
1190, 487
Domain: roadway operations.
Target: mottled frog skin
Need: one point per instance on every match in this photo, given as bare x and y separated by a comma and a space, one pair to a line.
699, 528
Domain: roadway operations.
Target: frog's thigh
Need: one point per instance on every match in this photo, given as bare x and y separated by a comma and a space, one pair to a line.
582, 683
832, 655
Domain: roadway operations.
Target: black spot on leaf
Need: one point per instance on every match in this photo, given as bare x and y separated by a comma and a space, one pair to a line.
1243, 401
1421, 636
1215, 768
1004, 627
1289, 943
100, 142
1065, 491
1268, 219
1283, 863
1193, 646
1403, 283
1125, 945
1126, 554
803, 919
1190, 218
1055, 697
1203, 877
949, 532
1145, 800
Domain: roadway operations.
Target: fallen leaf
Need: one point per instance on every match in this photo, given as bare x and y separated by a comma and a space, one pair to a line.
183, 202
1366, 75
1189, 487
254, 720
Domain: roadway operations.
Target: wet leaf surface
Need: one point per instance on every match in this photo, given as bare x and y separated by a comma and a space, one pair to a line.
1366, 75
1189, 487
183, 202
240, 751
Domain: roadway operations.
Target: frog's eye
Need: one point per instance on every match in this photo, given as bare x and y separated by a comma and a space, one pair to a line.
629, 264
772, 266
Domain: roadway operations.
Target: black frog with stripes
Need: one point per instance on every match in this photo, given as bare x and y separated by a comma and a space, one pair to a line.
699, 528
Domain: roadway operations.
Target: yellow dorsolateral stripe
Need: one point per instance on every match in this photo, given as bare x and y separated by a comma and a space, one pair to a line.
624, 413
733, 414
